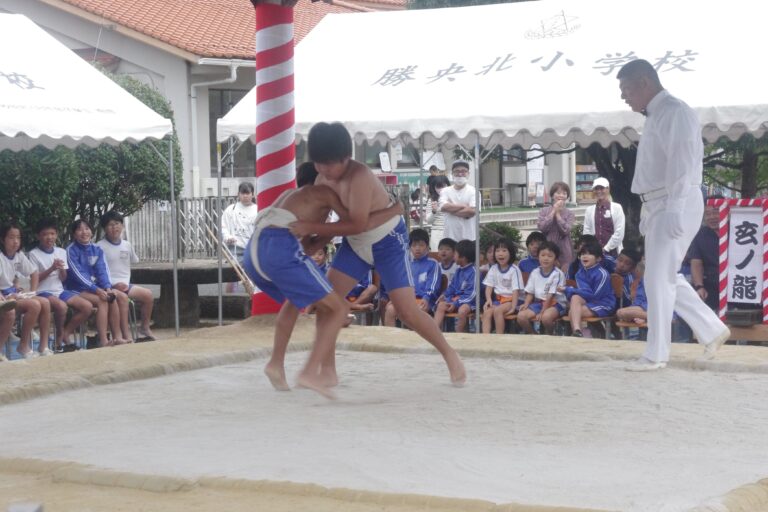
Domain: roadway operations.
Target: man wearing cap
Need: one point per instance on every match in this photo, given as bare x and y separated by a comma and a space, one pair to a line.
605, 219
668, 175
459, 204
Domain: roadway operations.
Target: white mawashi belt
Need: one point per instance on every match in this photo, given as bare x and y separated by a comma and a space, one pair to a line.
652, 195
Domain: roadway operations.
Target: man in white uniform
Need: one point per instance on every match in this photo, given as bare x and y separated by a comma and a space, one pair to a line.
668, 175
458, 202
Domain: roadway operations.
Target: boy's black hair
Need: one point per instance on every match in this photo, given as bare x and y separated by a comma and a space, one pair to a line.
592, 247
631, 254
76, 224
510, 246
552, 247
329, 142
109, 217
46, 223
306, 174
245, 187
450, 242
418, 235
466, 249
535, 236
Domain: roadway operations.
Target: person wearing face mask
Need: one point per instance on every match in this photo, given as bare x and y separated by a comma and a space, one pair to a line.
459, 204
605, 219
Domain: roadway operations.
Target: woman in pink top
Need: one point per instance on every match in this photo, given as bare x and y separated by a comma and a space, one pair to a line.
555, 222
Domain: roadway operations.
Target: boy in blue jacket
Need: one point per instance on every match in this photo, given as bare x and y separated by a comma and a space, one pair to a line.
593, 295
459, 297
426, 276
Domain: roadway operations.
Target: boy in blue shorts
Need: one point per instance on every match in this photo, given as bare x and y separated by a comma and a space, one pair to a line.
543, 302
275, 262
593, 295
384, 246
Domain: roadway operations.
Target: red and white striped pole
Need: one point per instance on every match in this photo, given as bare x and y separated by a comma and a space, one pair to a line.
722, 235
275, 115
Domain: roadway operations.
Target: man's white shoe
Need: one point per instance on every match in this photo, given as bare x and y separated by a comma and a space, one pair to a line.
645, 365
713, 346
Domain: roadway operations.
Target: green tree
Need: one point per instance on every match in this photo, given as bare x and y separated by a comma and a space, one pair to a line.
744, 161
86, 182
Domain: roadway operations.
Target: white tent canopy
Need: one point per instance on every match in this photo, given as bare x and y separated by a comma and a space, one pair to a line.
532, 72
51, 97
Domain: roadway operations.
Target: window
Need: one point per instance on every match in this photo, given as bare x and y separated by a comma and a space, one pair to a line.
242, 162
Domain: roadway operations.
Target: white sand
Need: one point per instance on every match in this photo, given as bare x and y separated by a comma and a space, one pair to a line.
575, 434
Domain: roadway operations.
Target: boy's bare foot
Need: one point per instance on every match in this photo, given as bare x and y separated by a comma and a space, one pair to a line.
316, 385
456, 369
329, 379
276, 377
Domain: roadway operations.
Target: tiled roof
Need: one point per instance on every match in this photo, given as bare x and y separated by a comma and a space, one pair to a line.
207, 28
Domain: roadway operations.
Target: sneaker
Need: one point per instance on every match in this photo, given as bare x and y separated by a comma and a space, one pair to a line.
645, 365
577, 334
3, 358
713, 346
46, 352
29, 355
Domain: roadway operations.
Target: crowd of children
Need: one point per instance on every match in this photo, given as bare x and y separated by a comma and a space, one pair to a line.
68, 285
532, 295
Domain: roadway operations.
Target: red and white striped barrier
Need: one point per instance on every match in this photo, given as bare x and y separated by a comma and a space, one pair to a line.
275, 114
724, 207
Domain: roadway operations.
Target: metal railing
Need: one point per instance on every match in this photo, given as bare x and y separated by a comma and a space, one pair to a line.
149, 229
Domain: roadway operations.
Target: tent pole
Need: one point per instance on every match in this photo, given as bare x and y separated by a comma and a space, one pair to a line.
174, 239
219, 252
478, 205
421, 182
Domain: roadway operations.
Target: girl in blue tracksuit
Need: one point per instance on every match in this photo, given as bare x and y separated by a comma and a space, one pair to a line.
88, 275
459, 297
593, 295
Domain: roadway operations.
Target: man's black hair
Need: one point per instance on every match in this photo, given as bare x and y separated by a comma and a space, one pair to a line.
535, 236
552, 247
109, 217
306, 174
466, 249
418, 235
450, 242
46, 223
329, 143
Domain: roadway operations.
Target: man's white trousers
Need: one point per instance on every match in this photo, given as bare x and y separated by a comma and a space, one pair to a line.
666, 289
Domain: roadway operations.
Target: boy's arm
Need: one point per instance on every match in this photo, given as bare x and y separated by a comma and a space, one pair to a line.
357, 215
34, 280
469, 293
379, 217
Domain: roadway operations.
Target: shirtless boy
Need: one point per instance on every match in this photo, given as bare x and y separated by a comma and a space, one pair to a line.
275, 262
384, 246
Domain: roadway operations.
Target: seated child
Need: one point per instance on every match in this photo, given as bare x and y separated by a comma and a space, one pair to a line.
51, 263
532, 243
320, 257
626, 264
361, 297
607, 261
88, 276
637, 312
7, 319
426, 276
593, 293
543, 300
119, 255
36, 310
488, 259
446, 255
505, 281
459, 297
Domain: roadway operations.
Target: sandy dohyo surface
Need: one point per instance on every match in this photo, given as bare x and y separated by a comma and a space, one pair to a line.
543, 421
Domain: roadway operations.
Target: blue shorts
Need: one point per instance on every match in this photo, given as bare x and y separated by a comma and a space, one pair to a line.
289, 273
536, 307
65, 295
600, 310
391, 259
9, 291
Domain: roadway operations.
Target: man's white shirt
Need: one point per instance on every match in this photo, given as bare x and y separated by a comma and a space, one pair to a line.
458, 228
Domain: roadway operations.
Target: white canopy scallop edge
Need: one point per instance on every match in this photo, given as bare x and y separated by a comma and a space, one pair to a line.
49, 96
522, 73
